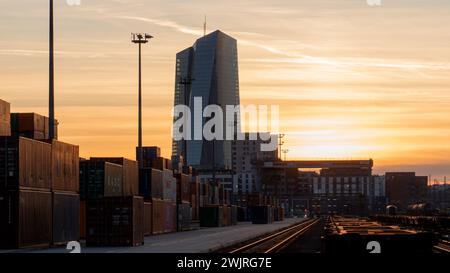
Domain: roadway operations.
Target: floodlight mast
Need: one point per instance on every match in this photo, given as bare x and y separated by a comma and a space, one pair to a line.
140, 38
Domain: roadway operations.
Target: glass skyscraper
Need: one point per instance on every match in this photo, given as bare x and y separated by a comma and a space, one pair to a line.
212, 63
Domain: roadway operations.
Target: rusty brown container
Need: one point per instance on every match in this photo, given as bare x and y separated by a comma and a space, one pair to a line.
83, 219
24, 164
158, 216
25, 219
148, 219
130, 174
170, 217
65, 167
5, 123
169, 186
66, 217
183, 188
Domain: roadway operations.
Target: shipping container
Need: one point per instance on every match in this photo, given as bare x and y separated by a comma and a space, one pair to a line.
148, 153
130, 174
184, 216
242, 214
115, 221
226, 216
65, 166
169, 186
170, 217
5, 108
5, 123
24, 164
195, 198
25, 219
151, 183
183, 188
158, 216
66, 217
100, 179
31, 125
262, 214
211, 216
234, 215
148, 219
82, 219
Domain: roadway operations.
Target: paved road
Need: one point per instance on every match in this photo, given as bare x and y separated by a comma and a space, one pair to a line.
197, 241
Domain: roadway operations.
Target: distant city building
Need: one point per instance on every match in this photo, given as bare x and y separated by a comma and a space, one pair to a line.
348, 194
341, 187
245, 154
439, 197
405, 188
209, 70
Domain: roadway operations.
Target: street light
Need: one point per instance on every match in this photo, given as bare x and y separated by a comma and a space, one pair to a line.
51, 93
140, 38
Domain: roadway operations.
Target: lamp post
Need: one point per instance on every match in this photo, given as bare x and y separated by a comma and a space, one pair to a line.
51, 100
140, 38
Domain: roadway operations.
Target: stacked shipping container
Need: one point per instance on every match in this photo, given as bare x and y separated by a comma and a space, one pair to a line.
5, 125
32, 170
31, 125
115, 215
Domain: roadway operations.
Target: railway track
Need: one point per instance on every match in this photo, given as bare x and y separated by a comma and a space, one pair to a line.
275, 242
442, 247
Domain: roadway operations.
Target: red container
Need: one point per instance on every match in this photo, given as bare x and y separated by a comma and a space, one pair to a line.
24, 164
148, 219
65, 167
25, 219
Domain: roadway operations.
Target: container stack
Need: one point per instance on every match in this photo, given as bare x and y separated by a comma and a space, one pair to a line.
114, 211
65, 187
5, 123
183, 201
158, 185
25, 193
195, 198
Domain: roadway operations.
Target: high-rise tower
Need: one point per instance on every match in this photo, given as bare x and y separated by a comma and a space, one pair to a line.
209, 70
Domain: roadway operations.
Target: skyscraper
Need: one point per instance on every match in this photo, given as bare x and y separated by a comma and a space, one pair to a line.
207, 70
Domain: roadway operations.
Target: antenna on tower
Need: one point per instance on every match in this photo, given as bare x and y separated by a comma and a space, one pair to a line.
204, 27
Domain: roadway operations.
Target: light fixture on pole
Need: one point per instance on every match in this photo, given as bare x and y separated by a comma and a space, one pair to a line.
51, 80
140, 38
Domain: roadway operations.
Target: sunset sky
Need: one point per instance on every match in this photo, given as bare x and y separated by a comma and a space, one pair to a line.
352, 81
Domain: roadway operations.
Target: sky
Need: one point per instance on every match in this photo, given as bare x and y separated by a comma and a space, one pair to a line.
352, 80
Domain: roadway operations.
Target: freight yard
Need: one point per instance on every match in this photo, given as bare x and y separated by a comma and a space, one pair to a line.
49, 196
